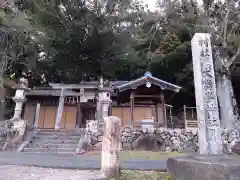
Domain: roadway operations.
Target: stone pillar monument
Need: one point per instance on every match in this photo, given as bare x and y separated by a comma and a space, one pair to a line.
210, 141
110, 163
210, 164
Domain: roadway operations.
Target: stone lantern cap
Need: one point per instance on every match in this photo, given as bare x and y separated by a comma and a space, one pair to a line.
22, 85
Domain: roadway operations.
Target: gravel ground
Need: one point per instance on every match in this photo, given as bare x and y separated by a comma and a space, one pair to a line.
9, 172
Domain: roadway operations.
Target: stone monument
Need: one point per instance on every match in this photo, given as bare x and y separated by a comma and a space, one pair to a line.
210, 141
211, 163
110, 163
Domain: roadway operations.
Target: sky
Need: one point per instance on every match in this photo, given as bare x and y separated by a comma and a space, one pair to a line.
151, 3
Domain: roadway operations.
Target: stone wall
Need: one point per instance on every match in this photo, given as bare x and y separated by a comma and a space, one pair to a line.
3, 133
162, 139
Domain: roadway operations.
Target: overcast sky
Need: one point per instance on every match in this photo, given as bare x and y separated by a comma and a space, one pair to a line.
151, 3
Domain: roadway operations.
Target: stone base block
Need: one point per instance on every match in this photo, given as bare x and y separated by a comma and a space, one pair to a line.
202, 167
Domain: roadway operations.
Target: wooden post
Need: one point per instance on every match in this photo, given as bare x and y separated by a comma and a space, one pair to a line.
79, 115
170, 111
132, 108
110, 163
164, 108
110, 110
98, 111
2, 100
185, 116
156, 113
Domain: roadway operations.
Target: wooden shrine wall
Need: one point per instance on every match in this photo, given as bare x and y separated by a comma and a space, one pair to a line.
139, 113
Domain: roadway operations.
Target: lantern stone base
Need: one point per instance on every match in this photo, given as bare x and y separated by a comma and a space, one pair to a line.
200, 167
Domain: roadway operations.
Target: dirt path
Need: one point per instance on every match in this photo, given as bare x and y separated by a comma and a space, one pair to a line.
9, 172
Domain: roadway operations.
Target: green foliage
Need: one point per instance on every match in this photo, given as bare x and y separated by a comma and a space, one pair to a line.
144, 175
120, 40
18, 50
84, 39
162, 45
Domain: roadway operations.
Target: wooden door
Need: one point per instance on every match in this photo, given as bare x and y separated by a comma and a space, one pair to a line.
41, 117
29, 113
126, 120
69, 117
50, 117
142, 113
118, 112
47, 117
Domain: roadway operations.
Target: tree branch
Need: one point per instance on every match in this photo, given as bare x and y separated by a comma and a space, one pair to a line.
150, 30
55, 14
230, 32
225, 29
234, 57
195, 9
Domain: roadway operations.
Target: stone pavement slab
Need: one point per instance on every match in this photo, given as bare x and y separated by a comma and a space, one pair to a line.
204, 167
73, 162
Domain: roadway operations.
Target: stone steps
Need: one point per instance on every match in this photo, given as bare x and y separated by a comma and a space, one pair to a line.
50, 145
57, 133
55, 142
54, 137
62, 133
50, 150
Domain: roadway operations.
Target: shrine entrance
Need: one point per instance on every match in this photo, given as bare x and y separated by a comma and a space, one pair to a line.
86, 111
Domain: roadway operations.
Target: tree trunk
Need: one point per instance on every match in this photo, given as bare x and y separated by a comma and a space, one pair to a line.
2, 99
226, 98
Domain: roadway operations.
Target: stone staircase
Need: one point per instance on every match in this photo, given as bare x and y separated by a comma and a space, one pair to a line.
55, 142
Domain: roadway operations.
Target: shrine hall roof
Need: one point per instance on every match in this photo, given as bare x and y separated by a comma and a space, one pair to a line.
148, 78
54, 89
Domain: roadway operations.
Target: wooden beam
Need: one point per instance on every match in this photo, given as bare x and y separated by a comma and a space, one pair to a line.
146, 96
72, 86
88, 95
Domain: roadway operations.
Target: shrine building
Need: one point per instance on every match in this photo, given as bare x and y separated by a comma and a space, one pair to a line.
69, 106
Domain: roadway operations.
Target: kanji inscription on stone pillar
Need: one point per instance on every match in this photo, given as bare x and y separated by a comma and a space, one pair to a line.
110, 163
206, 97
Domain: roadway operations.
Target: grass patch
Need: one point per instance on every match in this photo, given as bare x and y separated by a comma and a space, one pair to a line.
148, 155
141, 155
143, 175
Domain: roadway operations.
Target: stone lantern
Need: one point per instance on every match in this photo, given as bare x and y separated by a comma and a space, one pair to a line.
104, 100
18, 125
20, 98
